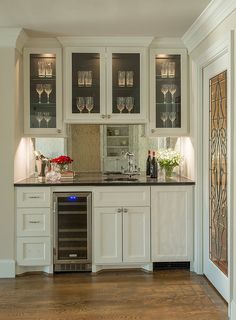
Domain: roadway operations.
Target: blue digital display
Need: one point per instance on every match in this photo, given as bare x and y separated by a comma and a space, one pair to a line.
72, 198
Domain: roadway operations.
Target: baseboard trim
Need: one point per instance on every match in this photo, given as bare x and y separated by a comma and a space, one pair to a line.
7, 269
233, 310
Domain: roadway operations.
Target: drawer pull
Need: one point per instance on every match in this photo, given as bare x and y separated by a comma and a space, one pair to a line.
125, 210
34, 197
119, 210
34, 221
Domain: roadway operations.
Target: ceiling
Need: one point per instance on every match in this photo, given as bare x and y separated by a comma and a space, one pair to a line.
158, 18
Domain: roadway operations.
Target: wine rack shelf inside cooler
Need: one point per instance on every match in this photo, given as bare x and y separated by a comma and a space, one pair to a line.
73, 228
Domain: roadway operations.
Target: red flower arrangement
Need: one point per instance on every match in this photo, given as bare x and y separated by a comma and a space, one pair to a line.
62, 160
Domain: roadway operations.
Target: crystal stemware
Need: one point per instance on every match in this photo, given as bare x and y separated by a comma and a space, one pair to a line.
129, 103
89, 104
120, 103
48, 70
47, 117
121, 78
172, 89
41, 69
80, 103
129, 78
172, 117
164, 117
88, 78
39, 117
48, 90
171, 69
39, 89
164, 70
164, 90
81, 75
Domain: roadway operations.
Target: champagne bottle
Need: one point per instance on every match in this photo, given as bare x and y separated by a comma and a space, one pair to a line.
153, 166
148, 164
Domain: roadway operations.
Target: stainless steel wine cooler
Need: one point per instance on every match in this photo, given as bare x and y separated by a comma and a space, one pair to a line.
72, 231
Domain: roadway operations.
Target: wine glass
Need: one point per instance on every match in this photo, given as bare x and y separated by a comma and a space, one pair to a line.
129, 103
164, 90
89, 104
120, 103
39, 117
80, 103
39, 89
48, 69
88, 78
48, 90
121, 78
47, 117
172, 89
172, 117
164, 117
41, 69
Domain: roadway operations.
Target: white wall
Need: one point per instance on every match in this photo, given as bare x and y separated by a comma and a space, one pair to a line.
7, 143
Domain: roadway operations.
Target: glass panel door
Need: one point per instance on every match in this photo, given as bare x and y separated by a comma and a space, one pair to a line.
168, 90
43, 91
86, 83
125, 83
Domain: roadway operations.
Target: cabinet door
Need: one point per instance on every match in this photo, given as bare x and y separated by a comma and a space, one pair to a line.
172, 223
84, 87
34, 251
126, 85
107, 240
168, 92
42, 91
136, 234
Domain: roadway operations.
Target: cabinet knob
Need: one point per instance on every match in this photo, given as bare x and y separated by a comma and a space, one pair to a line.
58, 130
103, 116
125, 210
119, 210
109, 116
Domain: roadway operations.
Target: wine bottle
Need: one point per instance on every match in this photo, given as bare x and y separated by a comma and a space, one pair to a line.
154, 166
148, 164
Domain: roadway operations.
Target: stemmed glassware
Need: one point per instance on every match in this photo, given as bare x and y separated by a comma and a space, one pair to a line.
172, 117
48, 90
164, 118
89, 104
80, 103
120, 103
39, 117
172, 89
129, 103
39, 89
47, 117
164, 90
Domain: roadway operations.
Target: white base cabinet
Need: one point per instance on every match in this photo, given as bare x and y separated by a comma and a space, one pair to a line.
121, 233
172, 223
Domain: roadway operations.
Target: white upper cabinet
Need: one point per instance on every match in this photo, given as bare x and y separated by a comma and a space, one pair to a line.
168, 92
105, 85
42, 91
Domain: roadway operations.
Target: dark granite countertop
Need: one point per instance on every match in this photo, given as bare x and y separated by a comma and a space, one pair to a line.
97, 179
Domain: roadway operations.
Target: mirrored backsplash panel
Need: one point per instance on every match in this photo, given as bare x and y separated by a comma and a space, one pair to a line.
102, 148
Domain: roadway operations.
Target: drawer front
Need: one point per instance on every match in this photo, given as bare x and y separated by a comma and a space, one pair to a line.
122, 196
33, 222
33, 197
34, 251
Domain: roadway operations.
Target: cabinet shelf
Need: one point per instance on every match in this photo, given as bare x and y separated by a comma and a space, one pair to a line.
43, 104
53, 78
120, 147
117, 136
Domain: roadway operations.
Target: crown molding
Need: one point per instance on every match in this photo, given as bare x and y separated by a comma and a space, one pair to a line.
172, 43
42, 43
105, 41
21, 40
9, 36
214, 14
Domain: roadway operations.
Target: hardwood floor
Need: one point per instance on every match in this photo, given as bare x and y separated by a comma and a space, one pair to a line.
163, 295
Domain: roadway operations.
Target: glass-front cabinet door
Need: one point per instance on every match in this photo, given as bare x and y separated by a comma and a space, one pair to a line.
105, 85
168, 92
42, 91
84, 86
126, 76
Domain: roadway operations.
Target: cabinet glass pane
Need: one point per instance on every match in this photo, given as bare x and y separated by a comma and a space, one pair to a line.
126, 83
85, 83
42, 91
168, 91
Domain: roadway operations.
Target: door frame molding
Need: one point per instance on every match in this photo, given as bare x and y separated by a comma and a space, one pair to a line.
222, 46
